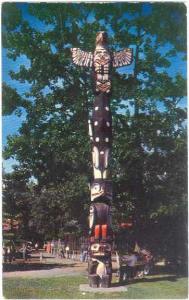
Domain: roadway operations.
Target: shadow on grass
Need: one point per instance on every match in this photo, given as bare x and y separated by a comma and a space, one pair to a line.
158, 273
181, 270
156, 279
24, 266
144, 280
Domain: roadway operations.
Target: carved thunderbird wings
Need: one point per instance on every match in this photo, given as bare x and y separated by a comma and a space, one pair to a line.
102, 60
122, 58
85, 59
82, 58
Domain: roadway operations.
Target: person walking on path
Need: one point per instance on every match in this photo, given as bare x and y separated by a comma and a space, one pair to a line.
48, 249
52, 247
67, 251
5, 254
24, 251
84, 252
36, 246
9, 254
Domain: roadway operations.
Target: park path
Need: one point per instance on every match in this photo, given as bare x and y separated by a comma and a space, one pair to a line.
49, 267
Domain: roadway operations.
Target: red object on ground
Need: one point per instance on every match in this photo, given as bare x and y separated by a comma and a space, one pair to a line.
104, 231
97, 231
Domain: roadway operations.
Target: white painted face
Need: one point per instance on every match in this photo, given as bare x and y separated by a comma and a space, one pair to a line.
100, 247
97, 188
95, 247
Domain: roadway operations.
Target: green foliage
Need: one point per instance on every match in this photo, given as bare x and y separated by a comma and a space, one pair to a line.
17, 202
11, 100
11, 16
149, 150
61, 209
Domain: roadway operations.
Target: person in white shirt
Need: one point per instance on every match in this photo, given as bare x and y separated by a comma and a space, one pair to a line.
131, 263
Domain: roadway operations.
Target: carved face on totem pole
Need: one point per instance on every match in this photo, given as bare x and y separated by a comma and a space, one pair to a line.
102, 63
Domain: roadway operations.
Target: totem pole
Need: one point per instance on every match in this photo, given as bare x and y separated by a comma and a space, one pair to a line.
100, 131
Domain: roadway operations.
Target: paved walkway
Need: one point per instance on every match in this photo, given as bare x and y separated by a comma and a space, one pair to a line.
49, 267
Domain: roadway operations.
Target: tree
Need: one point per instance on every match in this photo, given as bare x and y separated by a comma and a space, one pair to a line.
149, 143
17, 202
55, 210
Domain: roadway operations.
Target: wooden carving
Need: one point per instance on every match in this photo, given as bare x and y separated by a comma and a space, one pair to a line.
100, 131
82, 58
122, 58
102, 60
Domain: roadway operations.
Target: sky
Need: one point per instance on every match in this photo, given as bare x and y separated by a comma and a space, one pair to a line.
12, 123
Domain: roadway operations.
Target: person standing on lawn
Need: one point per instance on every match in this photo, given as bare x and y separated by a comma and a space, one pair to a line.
131, 263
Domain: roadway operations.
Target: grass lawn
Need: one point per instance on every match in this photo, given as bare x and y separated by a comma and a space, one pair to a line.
67, 287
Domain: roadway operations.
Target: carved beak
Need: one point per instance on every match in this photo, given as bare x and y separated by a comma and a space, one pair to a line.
104, 35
